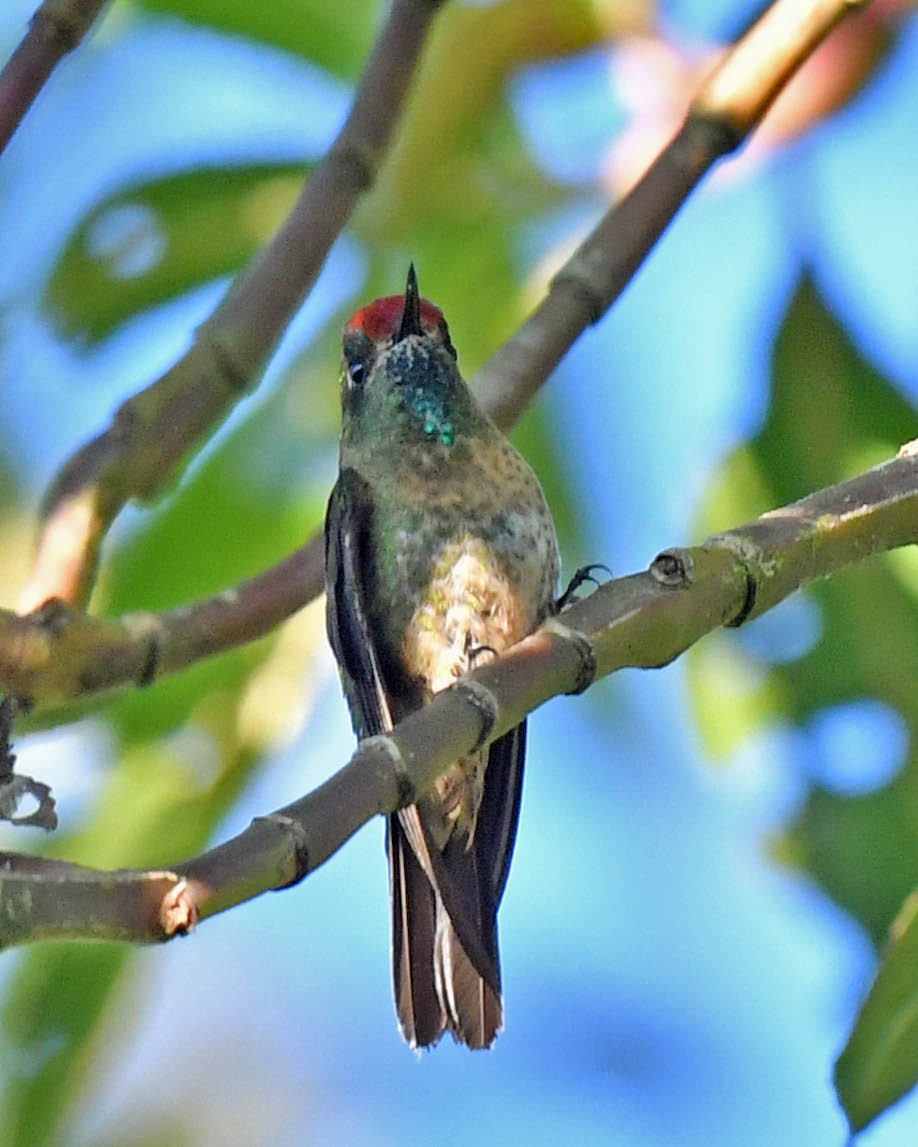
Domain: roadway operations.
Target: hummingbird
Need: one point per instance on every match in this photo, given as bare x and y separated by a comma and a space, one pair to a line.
440, 553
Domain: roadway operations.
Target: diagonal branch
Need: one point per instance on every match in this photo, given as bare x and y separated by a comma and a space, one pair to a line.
153, 430
730, 104
58, 27
57, 654
153, 433
642, 621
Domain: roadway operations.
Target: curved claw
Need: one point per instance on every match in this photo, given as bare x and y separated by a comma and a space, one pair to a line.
582, 575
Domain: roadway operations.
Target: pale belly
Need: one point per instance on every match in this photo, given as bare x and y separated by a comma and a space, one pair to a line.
473, 611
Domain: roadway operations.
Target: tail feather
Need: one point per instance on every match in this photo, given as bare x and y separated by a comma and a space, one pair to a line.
445, 960
437, 986
475, 1011
421, 1014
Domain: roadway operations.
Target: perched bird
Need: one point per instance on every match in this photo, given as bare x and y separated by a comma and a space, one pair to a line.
440, 552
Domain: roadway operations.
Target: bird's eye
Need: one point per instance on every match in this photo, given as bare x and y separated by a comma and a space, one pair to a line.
359, 356
356, 373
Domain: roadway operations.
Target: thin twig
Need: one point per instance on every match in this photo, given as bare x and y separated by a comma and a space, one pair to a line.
17, 790
58, 27
58, 654
642, 621
158, 426
728, 107
154, 432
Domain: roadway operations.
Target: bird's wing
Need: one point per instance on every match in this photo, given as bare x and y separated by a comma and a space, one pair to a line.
347, 525
347, 563
499, 814
472, 879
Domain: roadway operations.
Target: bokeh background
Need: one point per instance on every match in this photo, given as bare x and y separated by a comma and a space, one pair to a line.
709, 855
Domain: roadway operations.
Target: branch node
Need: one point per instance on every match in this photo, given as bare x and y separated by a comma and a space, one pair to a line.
178, 913
59, 25
150, 666
235, 375
673, 569
749, 600
716, 133
748, 556
53, 616
358, 165
578, 281
295, 830
388, 748
580, 642
485, 704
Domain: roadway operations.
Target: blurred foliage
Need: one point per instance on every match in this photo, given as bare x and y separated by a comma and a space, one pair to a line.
185, 747
148, 244
877, 1066
458, 193
50, 1016
830, 416
334, 36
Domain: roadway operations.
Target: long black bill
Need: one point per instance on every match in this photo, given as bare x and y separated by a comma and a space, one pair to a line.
411, 315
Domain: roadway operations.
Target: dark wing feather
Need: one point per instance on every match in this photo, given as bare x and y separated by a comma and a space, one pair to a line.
471, 883
347, 526
347, 566
499, 814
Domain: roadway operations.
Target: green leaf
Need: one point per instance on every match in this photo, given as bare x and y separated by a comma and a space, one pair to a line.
52, 1010
830, 416
862, 850
150, 243
880, 1061
336, 37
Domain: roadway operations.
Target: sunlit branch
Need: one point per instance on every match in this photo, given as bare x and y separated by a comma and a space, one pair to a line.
642, 621
58, 654
56, 29
729, 105
156, 430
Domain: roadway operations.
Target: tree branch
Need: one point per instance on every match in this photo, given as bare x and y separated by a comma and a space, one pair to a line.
642, 621
153, 433
729, 105
58, 655
58, 27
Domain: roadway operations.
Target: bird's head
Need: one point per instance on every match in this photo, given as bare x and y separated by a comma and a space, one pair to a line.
399, 375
